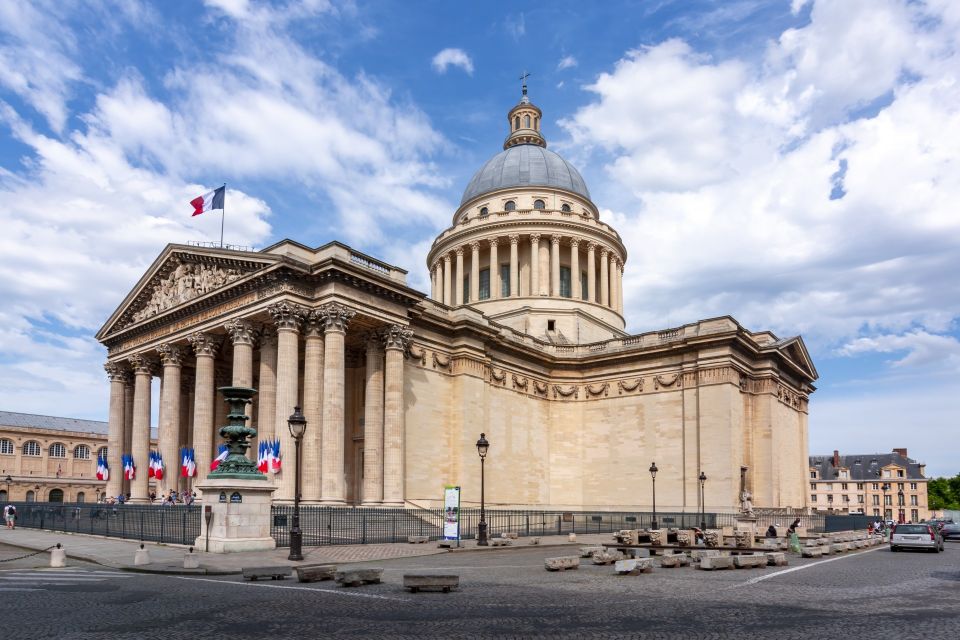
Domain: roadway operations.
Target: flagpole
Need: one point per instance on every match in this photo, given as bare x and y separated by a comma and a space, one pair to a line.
223, 213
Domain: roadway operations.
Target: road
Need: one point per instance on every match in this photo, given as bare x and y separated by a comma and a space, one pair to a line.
873, 593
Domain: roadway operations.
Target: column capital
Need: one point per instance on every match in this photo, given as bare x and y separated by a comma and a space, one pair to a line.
475, 245
241, 332
556, 238
204, 344
314, 323
142, 365
116, 372
574, 242
459, 251
436, 266
514, 238
286, 315
604, 252
171, 355
335, 316
447, 258
374, 341
591, 246
534, 238
396, 336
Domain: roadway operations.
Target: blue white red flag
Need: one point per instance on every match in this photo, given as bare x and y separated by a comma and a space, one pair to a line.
158, 466
263, 464
103, 471
275, 460
221, 456
129, 468
188, 464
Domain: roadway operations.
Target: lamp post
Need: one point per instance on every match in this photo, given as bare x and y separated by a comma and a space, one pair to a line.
703, 507
297, 425
8, 480
482, 447
901, 515
886, 487
653, 476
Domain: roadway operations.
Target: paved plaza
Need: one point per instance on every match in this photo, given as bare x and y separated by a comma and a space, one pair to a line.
503, 593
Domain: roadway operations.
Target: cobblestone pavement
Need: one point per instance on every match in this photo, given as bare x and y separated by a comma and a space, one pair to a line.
508, 594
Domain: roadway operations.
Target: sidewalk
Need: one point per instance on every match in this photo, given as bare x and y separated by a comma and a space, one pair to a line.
168, 558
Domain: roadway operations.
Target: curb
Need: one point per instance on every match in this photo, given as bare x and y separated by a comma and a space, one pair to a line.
179, 571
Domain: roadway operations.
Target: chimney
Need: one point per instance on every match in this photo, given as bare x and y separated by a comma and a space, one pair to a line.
836, 458
901, 452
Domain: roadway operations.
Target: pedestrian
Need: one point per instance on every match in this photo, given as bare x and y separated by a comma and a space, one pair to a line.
10, 516
153, 497
698, 537
793, 526
121, 499
771, 531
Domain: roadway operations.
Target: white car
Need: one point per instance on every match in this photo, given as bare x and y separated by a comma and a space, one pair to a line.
917, 536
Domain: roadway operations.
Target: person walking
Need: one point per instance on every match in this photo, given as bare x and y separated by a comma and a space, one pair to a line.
771, 531
10, 516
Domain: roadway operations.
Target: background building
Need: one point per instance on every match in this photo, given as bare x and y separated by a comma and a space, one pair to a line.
888, 485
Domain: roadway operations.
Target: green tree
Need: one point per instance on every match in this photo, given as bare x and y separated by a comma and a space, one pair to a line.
944, 493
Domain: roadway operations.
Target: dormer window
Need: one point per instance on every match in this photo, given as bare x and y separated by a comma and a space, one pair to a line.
484, 211
510, 205
565, 208
538, 204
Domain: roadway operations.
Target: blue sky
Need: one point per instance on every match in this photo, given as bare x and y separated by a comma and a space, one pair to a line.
792, 164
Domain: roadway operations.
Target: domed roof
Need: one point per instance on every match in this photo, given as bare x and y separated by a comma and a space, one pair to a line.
525, 165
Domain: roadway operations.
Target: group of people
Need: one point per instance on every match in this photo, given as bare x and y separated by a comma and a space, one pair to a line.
792, 529
172, 498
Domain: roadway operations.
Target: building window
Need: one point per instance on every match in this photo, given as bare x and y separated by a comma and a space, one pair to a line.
81, 496
886, 473
516, 123
565, 290
913, 485
899, 473
31, 496
510, 205
57, 450
539, 204
551, 325
3, 496
860, 499
565, 208
584, 291
102, 453
484, 211
466, 289
876, 486
843, 486
888, 500
846, 498
900, 486
504, 280
81, 452
913, 501
830, 498
6, 446
31, 448
56, 495
526, 121
536, 122
914, 515
876, 499
813, 474
813, 497
813, 487
485, 284
859, 486
844, 475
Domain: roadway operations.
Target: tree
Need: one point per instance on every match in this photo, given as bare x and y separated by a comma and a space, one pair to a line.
944, 493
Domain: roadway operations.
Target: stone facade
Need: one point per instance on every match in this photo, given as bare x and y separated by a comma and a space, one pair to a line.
397, 385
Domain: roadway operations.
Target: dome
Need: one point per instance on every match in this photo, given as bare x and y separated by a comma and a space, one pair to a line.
525, 165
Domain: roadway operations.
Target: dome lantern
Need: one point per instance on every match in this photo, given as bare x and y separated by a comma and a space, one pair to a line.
524, 121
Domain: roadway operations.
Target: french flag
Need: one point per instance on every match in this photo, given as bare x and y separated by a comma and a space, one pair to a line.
221, 456
129, 469
188, 465
103, 471
263, 460
209, 201
158, 466
274, 454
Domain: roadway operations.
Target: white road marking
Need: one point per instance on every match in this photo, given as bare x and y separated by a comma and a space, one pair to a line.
5, 589
806, 566
277, 586
58, 578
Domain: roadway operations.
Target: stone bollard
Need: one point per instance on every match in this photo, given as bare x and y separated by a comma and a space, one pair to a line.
191, 560
58, 557
572, 537
142, 556
535, 540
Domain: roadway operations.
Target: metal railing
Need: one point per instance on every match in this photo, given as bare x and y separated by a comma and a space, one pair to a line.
175, 524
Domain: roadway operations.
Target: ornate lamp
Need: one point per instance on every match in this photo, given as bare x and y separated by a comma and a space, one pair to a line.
297, 424
703, 508
482, 447
653, 477
237, 465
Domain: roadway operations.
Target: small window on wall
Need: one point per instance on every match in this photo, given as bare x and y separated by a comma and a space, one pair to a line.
551, 325
31, 448
504, 280
536, 122
538, 204
565, 208
484, 211
485, 284
813, 497
57, 450
526, 121
6, 447
31, 496
516, 123
81, 452
565, 290
510, 205
56, 495
3, 495
914, 515
81, 496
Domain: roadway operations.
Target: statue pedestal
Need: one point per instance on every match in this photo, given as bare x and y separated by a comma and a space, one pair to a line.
745, 530
241, 515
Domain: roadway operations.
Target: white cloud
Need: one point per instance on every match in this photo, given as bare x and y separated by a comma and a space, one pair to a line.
516, 26
452, 58
566, 62
922, 349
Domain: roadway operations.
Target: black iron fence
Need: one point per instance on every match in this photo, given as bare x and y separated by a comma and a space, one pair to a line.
174, 524
346, 525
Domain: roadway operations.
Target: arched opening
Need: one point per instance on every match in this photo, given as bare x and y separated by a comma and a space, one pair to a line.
484, 211
565, 208
526, 121
536, 123
516, 123
510, 206
31, 496
81, 496
538, 204
56, 495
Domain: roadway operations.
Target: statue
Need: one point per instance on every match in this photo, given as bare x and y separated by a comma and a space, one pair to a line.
746, 503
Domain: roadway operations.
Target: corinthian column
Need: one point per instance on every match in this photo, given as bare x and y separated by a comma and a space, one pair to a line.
475, 272
555, 266
288, 318
395, 338
604, 283
494, 270
620, 287
172, 359
205, 347
312, 405
333, 488
373, 424
534, 264
447, 300
118, 377
591, 272
614, 303
575, 291
458, 279
143, 374
128, 393
267, 385
514, 266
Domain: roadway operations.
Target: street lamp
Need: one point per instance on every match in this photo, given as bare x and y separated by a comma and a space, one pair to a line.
703, 508
482, 447
297, 425
653, 476
8, 480
901, 515
886, 487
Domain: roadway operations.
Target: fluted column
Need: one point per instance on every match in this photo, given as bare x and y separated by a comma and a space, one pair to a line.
187, 388
604, 283
312, 406
447, 277
128, 393
395, 339
117, 375
575, 291
242, 335
143, 374
619, 285
433, 281
555, 266
474, 272
534, 264
591, 272
287, 317
205, 347
267, 385
373, 424
494, 270
458, 279
333, 486
514, 266
169, 433
614, 303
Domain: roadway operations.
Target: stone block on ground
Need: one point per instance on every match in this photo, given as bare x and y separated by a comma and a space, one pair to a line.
513, 535
357, 577
827, 550
142, 556
316, 572
633, 567
586, 552
58, 557
417, 582
571, 537
562, 563
710, 563
674, 560
418, 539
446, 544
638, 553
191, 560
696, 554
776, 558
838, 547
812, 552
606, 557
274, 573
749, 561
534, 540
500, 542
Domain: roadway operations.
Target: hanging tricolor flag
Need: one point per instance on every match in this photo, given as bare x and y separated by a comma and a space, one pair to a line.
129, 469
221, 456
151, 464
158, 466
188, 464
103, 471
209, 201
274, 454
263, 461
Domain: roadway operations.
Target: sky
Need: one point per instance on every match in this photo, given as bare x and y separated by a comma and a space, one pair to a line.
793, 164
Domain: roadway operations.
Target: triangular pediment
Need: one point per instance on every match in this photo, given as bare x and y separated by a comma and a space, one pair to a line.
180, 275
794, 350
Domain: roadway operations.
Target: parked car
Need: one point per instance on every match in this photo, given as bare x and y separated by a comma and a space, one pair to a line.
950, 531
916, 536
